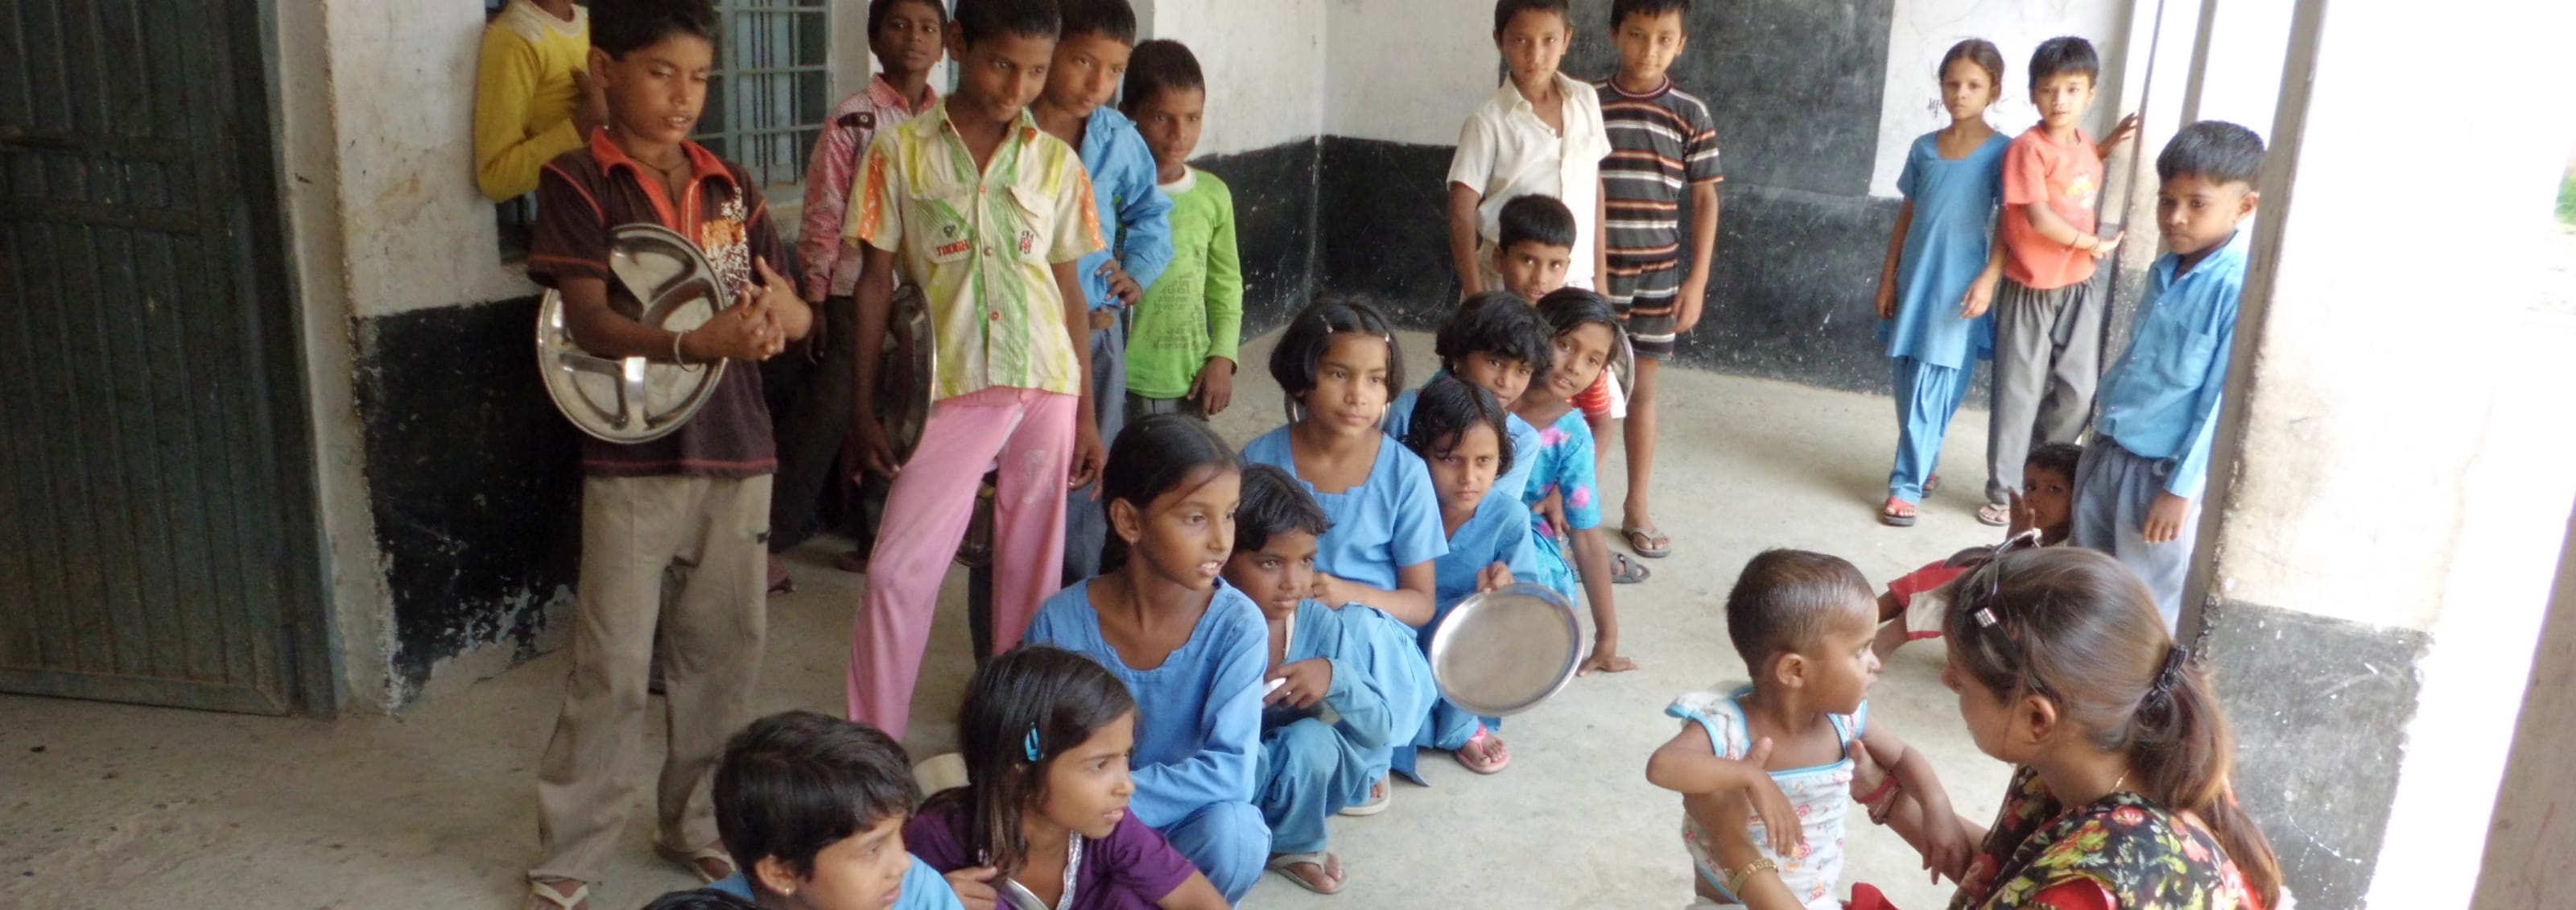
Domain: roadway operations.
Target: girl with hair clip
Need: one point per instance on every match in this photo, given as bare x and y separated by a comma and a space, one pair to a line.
1188, 645
2122, 800
1460, 431
1046, 734
1585, 334
1940, 274
1339, 364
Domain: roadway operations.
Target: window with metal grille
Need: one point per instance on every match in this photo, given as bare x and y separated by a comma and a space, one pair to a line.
771, 89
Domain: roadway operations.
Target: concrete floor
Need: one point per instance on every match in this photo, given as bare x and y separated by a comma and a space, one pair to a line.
116, 806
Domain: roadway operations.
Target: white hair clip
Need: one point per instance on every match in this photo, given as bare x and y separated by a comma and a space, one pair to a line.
1985, 618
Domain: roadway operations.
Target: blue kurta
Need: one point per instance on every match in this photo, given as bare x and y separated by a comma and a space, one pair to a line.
1399, 416
1311, 769
1198, 728
1387, 522
1500, 531
1946, 246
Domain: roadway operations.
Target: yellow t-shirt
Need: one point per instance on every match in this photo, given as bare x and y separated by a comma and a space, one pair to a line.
524, 95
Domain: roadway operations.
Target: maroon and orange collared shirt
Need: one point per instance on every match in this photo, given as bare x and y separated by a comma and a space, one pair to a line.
586, 194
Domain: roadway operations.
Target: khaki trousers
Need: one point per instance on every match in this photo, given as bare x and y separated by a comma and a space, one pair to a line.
633, 529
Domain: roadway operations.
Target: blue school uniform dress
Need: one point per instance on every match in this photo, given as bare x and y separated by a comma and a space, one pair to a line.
1392, 519
1399, 417
1198, 729
923, 889
1136, 218
1934, 350
1563, 464
1498, 532
1310, 766
2159, 412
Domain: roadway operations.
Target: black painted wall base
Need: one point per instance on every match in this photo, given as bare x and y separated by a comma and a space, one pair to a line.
1274, 227
2319, 740
473, 478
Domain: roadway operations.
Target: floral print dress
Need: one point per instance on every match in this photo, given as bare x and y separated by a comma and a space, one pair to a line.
1563, 464
2133, 852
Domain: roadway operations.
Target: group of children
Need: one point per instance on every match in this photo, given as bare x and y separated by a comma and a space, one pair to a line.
1994, 255
1252, 629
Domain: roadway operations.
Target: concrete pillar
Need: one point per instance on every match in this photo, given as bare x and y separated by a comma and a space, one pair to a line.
2391, 490
2528, 849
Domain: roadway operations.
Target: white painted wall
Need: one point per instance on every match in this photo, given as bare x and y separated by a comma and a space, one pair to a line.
1408, 70
2399, 464
2241, 81
1265, 65
1923, 30
414, 231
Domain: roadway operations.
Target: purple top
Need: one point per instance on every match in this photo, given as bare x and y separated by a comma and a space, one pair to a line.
1132, 869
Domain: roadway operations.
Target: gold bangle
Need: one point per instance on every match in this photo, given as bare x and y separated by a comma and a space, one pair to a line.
1735, 880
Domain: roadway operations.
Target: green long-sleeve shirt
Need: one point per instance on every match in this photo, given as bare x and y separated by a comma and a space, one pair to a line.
1195, 311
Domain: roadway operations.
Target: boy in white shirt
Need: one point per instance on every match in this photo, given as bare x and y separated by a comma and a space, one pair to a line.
1540, 133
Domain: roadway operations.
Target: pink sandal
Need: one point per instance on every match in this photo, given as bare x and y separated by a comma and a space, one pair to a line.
1485, 744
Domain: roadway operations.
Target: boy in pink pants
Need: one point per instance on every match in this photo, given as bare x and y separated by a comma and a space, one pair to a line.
988, 214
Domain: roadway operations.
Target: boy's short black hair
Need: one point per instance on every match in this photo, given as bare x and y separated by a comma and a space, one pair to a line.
1620, 10
1157, 66
1301, 346
700, 899
1504, 10
977, 20
1535, 218
1785, 599
2068, 54
2213, 150
1498, 324
877, 12
2058, 457
1274, 503
1446, 408
620, 27
795, 782
1112, 19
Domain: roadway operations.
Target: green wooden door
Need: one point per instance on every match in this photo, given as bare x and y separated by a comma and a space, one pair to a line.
156, 487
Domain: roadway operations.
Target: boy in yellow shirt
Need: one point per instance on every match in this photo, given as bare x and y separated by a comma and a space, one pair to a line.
532, 94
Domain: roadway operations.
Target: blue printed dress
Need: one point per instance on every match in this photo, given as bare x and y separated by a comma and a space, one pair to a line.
1563, 464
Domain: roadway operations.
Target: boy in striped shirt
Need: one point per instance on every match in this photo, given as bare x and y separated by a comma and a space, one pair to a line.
1662, 141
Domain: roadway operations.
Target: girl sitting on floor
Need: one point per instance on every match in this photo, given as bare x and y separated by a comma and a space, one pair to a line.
1339, 364
1585, 333
1188, 645
1046, 734
1460, 431
1332, 708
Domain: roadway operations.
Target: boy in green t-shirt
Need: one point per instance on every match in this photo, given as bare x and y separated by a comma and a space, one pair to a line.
1182, 337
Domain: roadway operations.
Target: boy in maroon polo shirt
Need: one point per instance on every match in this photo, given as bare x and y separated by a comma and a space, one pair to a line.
697, 498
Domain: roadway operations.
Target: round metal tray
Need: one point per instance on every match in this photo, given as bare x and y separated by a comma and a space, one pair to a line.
634, 399
1504, 652
906, 372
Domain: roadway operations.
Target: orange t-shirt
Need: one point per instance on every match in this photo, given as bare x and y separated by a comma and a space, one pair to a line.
2069, 179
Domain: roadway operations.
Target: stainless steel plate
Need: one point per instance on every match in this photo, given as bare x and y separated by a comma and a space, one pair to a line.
1019, 897
906, 372
1503, 652
634, 399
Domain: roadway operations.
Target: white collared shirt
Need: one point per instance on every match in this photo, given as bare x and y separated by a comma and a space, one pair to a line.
1506, 151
